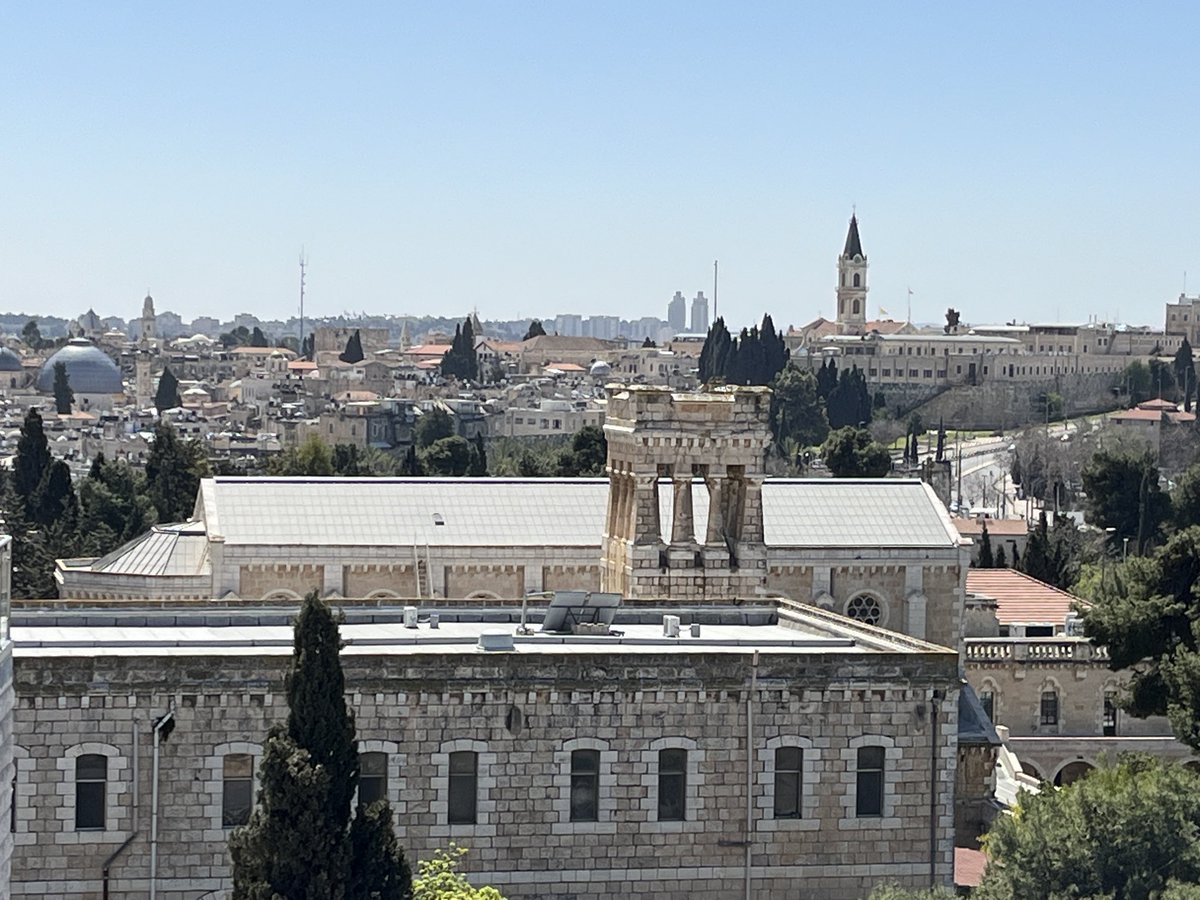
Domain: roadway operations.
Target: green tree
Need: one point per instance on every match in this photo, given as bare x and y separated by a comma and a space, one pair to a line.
478, 467
411, 467
173, 472
852, 453
167, 395
64, 397
346, 461
460, 361
300, 843
1137, 382
987, 559
32, 335
713, 355
238, 337
32, 459
535, 329
312, 458
432, 426
849, 402
895, 892
1149, 620
1123, 494
587, 456
439, 879
258, 339
114, 506
1185, 499
1184, 369
1123, 832
797, 411
448, 457
1052, 554
354, 351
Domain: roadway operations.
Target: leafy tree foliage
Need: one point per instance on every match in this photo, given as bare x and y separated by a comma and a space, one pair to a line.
448, 457
238, 337
478, 467
258, 339
114, 506
173, 472
31, 334
586, 457
755, 357
460, 360
439, 879
411, 466
300, 842
1150, 623
849, 401
1124, 832
797, 412
354, 351
852, 453
64, 397
167, 395
1123, 494
312, 458
895, 892
535, 329
307, 346
1185, 499
432, 426
1138, 382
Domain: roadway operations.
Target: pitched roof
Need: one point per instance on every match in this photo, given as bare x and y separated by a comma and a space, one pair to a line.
1021, 599
853, 244
972, 527
564, 512
180, 549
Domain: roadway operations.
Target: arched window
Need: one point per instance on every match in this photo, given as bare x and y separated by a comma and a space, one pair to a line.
464, 782
1049, 707
789, 782
672, 784
857, 281
463, 802
673, 800
868, 783
585, 785
94, 782
584, 800
855, 305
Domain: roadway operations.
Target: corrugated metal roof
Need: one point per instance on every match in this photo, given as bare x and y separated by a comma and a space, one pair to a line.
550, 512
164, 550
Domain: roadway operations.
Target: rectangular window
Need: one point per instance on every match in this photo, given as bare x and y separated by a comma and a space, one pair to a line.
988, 699
464, 782
672, 785
372, 778
869, 789
91, 776
789, 770
585, 785
1049, 707
238, 789
1110, 714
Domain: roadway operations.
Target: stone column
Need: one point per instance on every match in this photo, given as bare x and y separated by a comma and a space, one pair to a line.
714, 533
752, 510
647, 529
683, 529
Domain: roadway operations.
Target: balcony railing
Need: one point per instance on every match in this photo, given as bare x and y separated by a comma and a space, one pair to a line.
1020, 649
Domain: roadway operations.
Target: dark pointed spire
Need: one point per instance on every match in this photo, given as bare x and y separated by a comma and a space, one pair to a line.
853, 244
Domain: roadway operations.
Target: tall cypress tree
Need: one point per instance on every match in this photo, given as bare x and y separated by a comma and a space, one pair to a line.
167, 395
32, 460
299, 843
64, 397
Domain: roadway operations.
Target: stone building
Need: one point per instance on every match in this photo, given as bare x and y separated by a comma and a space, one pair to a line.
8, 702
1042, 680
777, 745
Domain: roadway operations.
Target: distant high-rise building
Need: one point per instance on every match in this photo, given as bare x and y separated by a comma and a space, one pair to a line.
604, 327
677, 313
700, 320
568, 325
852, 284
206, 325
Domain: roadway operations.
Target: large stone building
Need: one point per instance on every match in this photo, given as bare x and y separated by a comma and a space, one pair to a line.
773, 746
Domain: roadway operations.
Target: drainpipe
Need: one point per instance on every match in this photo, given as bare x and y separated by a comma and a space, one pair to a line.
750, 773
934, 699
112, 857
163, 722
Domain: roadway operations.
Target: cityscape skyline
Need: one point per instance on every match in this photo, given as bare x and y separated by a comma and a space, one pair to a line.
537, 162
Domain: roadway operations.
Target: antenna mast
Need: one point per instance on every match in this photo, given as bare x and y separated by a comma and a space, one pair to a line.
303, 264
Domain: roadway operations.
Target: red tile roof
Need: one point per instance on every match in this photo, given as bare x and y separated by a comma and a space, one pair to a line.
1019, 598
969, 866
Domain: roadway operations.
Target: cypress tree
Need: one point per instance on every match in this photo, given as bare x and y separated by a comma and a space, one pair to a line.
64, 397
32, 460
479, 461
167, 395
300, 843
986, 558
354, 351
173, 472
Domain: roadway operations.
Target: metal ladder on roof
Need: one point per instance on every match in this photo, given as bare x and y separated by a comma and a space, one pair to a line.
421, 568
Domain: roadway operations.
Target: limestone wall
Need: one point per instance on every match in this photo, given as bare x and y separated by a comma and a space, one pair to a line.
521, 713
7, 701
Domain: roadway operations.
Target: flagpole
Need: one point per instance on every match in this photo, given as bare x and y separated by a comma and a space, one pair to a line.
909, 319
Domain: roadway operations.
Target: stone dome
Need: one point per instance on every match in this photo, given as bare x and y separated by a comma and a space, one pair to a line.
89, 370
600, 369
9, 361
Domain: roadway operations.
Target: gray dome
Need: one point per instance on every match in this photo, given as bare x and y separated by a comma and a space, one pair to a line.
9, 361
89, 370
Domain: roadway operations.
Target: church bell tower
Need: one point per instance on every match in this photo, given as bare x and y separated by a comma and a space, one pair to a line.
852, 284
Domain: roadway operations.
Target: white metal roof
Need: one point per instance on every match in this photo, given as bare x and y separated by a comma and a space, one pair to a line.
499, 512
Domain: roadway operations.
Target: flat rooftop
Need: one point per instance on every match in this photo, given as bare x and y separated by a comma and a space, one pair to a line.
48, 635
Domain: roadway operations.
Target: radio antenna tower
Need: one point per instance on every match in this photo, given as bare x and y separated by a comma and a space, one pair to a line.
303, 264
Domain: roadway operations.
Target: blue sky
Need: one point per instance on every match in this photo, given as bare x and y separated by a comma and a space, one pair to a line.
1025, 161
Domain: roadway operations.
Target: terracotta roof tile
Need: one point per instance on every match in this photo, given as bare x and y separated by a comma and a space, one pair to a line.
1019, 598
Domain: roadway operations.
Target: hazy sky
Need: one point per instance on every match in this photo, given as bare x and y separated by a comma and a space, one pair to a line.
1037, 161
